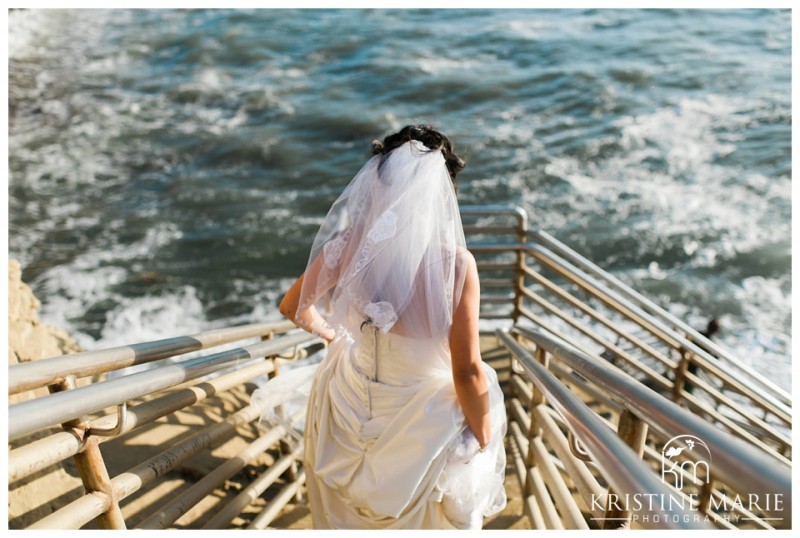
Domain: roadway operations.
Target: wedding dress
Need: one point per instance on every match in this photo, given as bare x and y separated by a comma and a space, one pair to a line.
386, 444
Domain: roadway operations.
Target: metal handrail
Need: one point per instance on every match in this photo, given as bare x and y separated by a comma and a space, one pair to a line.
498, 210
622, 288
620, 465
622, 303
27, 417
39, 373
737, 463
42, 453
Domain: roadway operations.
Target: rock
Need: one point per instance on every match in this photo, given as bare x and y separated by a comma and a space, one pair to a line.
28, 338
33, 497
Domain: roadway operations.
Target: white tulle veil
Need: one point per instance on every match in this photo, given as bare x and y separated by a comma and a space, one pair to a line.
389, 251
389, 254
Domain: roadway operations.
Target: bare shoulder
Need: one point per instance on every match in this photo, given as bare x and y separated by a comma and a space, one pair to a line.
468, 280
465, 258
466, 264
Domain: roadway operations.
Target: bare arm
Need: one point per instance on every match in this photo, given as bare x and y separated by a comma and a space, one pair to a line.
307, 318
470, 381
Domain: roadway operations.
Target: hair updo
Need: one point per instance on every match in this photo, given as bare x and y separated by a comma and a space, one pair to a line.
431, 138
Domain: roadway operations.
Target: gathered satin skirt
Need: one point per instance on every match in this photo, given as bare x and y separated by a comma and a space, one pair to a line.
386, 442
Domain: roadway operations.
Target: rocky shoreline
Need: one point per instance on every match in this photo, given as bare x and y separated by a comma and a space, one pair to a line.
28, 338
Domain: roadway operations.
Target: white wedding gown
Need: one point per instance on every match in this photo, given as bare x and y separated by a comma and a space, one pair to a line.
386, 442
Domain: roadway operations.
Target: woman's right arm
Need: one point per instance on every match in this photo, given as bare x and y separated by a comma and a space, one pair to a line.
307, 318
469, 378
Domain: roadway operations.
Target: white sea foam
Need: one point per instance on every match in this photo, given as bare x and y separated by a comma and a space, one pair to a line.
31, 29
767, 303
440, 64
694, 196
535, 26
70, 289
264, 301
182, 313
683, 134
529, 28
759, 338
778, 32
147, 318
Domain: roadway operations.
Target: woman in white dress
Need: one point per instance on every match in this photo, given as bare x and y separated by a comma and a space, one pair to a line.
405, 423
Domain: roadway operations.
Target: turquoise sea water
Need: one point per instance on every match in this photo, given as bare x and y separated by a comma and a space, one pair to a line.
169, 168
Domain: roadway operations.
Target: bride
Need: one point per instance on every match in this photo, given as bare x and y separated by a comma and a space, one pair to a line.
405, 423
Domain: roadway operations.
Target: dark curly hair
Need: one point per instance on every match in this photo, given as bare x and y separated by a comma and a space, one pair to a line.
431, 138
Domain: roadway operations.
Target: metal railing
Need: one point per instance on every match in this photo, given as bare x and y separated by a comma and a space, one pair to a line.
577, 307
608, 322
736, 469
147, 399
696, 341
672, 333
44, 372
617, 462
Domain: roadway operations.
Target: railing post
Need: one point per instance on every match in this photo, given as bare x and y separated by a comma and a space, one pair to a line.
633, 431
704, 501
544, 360
90, 464
537, 398
536, 468
680, 375
519, 273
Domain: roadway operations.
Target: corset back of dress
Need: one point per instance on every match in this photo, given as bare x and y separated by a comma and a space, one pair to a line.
398, 360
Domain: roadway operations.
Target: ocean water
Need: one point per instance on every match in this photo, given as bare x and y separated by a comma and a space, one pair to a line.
169, 168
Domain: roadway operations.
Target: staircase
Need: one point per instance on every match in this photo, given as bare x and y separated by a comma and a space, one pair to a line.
604, 390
